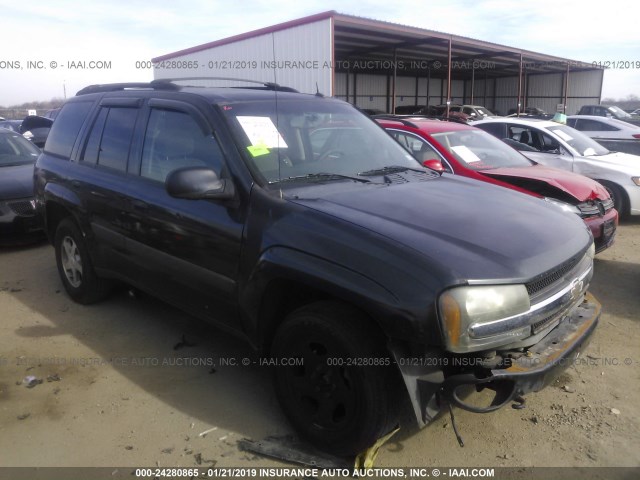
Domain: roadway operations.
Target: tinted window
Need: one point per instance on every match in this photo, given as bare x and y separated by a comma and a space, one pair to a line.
495, 129
174, 140
90, 154
66, 127
116, 138
586, 125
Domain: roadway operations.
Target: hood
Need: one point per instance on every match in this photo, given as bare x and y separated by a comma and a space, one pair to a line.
619, 159
472, 229
577, 186
16, 181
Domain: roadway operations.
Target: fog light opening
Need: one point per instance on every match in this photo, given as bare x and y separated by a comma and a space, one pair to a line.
484, 397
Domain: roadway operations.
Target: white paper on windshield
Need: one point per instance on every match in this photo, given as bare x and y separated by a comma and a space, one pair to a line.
563, 135
262, 132
465, 154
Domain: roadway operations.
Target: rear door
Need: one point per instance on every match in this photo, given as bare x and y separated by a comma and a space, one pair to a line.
103, 182
186, 251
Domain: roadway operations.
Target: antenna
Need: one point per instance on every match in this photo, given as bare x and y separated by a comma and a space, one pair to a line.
318, 94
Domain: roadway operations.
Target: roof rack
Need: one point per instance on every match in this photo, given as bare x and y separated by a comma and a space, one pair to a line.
115, 87
396, 118
263, 85
169, 84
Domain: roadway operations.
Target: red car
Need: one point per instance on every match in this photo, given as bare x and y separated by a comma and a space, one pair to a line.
468, 151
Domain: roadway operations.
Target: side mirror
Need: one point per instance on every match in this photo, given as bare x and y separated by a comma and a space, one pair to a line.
434, 164
198, 183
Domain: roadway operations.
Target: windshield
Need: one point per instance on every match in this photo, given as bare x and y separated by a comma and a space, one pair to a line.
618, 112
15, 150
484, 111
314, 136
478, 150
582, 144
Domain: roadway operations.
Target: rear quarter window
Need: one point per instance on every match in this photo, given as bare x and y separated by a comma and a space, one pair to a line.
65, 129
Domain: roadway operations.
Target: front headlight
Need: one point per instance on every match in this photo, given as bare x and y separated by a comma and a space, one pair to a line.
565, 207
462, 308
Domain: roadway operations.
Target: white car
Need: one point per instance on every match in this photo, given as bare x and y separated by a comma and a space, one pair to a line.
604, 127
561, 146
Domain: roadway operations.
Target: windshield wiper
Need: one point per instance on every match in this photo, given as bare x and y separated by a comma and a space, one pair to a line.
390, 169
323, 176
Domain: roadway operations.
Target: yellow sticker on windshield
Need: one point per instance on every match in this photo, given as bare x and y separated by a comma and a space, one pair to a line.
257, 150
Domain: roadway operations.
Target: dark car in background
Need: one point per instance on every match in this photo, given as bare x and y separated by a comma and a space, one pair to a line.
36, 129
18, 222
249, 208
468, 151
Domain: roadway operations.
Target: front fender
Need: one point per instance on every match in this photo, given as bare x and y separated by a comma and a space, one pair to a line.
320, 275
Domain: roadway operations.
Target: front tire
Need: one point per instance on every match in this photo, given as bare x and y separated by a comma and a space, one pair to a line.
618, 196
339, 398
75, 267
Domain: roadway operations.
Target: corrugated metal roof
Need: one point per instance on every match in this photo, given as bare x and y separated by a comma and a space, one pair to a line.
376, 42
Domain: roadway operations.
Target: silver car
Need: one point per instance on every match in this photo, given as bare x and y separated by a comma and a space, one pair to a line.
561, 146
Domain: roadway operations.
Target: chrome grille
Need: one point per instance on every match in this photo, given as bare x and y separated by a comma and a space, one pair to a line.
549, 278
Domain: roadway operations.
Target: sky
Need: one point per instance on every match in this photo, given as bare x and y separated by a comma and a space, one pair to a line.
121, 33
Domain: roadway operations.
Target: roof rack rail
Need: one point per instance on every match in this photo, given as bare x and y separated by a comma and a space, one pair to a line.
442, 118
115, 87
169, 84
263, 85
395, 118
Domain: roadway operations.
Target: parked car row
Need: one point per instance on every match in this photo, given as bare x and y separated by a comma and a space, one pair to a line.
299, 224
566, 148
471, 152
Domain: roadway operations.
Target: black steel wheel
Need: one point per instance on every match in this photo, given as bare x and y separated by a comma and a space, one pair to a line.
335, 386
75, 267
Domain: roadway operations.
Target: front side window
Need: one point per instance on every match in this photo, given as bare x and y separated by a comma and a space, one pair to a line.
174, 140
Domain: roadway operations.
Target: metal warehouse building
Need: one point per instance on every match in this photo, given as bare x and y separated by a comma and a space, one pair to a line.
381, 65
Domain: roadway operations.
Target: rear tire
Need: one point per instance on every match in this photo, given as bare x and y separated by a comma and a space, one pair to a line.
339, 399
75, 267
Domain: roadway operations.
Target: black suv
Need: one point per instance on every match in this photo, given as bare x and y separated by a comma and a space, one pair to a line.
297, 223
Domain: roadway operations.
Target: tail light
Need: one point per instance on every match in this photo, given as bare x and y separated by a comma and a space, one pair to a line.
636, 135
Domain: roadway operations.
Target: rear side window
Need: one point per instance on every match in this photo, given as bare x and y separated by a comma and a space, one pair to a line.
588, 125
66, 127
110, 138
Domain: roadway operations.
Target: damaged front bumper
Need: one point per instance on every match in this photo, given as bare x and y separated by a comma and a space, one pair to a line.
511, 374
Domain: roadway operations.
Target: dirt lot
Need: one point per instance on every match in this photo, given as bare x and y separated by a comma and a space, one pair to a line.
120, 387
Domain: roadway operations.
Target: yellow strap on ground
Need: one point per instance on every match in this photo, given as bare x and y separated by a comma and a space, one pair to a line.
365, 459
